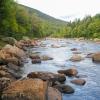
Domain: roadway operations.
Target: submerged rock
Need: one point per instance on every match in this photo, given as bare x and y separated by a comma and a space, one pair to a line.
55, 46
69, 72
76, 57
34, 56
73, 49
78, 81
90, 55
28, 89
64, 88
45, 57
81, 76
47, 76
96, 57
35, 61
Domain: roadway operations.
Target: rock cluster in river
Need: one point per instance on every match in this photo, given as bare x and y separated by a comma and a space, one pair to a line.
37, 85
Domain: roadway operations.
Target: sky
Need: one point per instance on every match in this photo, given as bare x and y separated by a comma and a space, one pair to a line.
65, 9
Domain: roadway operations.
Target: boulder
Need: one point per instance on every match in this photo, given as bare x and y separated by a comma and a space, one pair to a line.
3, 73
13, 67
13, 50
78, 81
8, 73
90, 55
26, 43
3, 67
45, 57
77, 52
54, 94
9, 40
96, 57
76, 57
14, 75
64, 88
4, 82
55, 46
4, 55
35, 61
69, 72
34, 56
27, 89
13, 60
47, 76
73, 49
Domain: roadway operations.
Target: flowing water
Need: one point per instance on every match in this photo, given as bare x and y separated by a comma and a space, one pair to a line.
91, 90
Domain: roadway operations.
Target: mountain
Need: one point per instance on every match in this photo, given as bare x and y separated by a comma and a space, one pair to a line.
43, 16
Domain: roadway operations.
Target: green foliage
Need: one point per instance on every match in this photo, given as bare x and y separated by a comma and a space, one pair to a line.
18, 21
89, 27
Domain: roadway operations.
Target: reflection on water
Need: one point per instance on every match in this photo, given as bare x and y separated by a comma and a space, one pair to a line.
91, 90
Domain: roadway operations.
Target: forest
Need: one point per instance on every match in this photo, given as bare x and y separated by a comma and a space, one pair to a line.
17, 21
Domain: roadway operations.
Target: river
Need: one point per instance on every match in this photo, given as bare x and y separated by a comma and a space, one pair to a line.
61, 55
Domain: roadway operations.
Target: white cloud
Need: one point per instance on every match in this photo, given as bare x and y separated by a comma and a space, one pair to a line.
58, 8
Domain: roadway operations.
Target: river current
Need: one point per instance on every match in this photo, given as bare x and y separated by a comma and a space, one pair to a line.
61, 56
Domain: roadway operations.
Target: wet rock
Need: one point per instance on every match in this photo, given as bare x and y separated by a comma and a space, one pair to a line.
9, 73
77, 52
13, 67
28, 89
47, 76
26, 43
54, 94
34, 56
96, 57
69, 72
14, 61
64, 88
3, 67
14, 75
81, 76
44, 58
73, 49
89, 55
76, 57
55, 46
4, 82
35, 61
78, 81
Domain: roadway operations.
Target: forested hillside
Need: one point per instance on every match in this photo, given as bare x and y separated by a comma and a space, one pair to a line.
89, 27
17, 20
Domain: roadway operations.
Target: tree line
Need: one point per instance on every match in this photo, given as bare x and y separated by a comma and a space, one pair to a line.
18, 20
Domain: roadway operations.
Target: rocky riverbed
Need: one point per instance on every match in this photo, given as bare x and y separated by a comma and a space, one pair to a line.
50, 69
